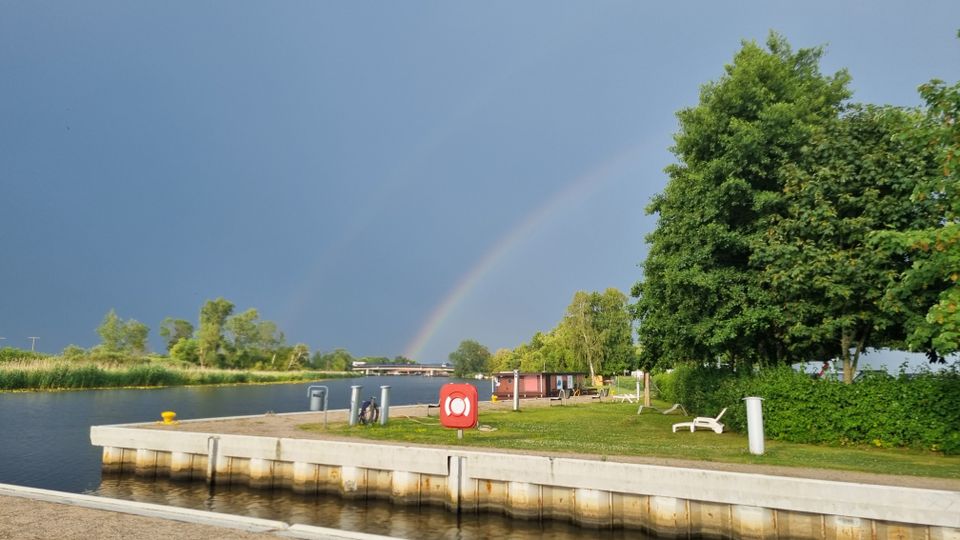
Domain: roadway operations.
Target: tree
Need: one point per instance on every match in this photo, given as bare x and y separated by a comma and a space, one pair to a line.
299, 355
598, 333
928, 292
73, 351
117, 335
173, 330
243, 329
469, 358
504, 360
186, 350
213, 315
135, 337
613, 319
818, 257
700, 298
338, 360
584, 339
111, 332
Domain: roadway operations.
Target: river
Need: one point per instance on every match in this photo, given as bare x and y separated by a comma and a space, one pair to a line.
46, 444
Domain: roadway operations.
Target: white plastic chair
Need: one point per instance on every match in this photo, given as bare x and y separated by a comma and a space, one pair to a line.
704, 422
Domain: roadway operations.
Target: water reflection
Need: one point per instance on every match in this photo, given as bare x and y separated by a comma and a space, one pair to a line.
48, 433
48, 446
372, 516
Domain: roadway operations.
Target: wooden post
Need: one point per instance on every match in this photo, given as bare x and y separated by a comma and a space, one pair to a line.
646, 388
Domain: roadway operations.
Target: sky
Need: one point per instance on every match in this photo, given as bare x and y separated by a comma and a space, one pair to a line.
386, 177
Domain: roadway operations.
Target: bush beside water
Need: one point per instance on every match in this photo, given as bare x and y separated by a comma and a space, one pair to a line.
920, 411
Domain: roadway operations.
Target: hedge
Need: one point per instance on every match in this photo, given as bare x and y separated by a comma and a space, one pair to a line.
920, 411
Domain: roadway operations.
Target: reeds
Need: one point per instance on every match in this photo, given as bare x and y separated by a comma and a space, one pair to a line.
57, 373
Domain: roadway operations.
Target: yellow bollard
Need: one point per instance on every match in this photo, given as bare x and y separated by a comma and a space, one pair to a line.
168, 417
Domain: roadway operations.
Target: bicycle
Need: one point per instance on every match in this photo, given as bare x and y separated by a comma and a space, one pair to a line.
369, 411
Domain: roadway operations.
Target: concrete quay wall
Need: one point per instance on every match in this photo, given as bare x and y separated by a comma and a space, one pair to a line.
666, 501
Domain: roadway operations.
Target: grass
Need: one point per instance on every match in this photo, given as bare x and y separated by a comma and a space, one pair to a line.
58, 374
614, 429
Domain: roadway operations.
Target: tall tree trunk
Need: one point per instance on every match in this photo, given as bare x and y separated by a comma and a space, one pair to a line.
851, 359
846, 340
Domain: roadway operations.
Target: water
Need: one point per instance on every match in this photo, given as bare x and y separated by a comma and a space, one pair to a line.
46, 444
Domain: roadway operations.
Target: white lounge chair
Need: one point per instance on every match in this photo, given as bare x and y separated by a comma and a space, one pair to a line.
704, 422
674, 408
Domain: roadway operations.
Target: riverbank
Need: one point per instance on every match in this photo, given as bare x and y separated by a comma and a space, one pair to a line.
28, 513
606, 491
586, 429
61, 374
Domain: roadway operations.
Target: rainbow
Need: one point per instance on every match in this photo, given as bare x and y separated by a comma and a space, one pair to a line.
575, 191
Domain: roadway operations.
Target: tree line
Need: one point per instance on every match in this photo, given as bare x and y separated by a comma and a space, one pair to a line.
798, 225
221, 339
594, 336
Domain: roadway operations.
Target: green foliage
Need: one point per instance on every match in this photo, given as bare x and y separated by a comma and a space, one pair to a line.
597, 332
117, 335
933, 323
470, 357
73, 351
186, 350
53, 374
694, 386
816, 255
337, 360
700, 297
594, 335
11, 354
173, 330
920, 411
213, 315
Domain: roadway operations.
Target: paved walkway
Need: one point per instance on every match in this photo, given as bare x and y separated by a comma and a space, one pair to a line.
28, 513
31, 519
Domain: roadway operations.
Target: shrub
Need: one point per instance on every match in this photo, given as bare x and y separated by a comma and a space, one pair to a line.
11, 354
916, 411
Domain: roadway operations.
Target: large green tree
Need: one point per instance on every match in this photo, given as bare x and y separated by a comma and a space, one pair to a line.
173, 330
251, 340
928, 292
584, 338
817, 255
598, 333
213, 316
700, 298
337, 360
117, 335
470, 357
111, 331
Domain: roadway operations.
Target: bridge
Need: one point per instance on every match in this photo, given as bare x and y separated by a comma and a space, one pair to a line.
427, 370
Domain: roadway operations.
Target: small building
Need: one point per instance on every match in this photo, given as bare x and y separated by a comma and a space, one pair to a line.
537, 385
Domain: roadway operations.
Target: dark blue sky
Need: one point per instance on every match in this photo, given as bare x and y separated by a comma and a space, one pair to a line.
389, 177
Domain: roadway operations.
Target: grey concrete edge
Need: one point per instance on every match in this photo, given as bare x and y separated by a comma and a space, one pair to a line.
258, 415
186, 515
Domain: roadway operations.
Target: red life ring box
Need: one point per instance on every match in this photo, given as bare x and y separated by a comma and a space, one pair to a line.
458, 406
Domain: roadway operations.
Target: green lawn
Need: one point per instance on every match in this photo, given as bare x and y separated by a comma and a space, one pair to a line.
614, 429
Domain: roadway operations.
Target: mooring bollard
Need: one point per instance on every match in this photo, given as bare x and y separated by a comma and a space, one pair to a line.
755, 424
354, 404
516, 389
384, 404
